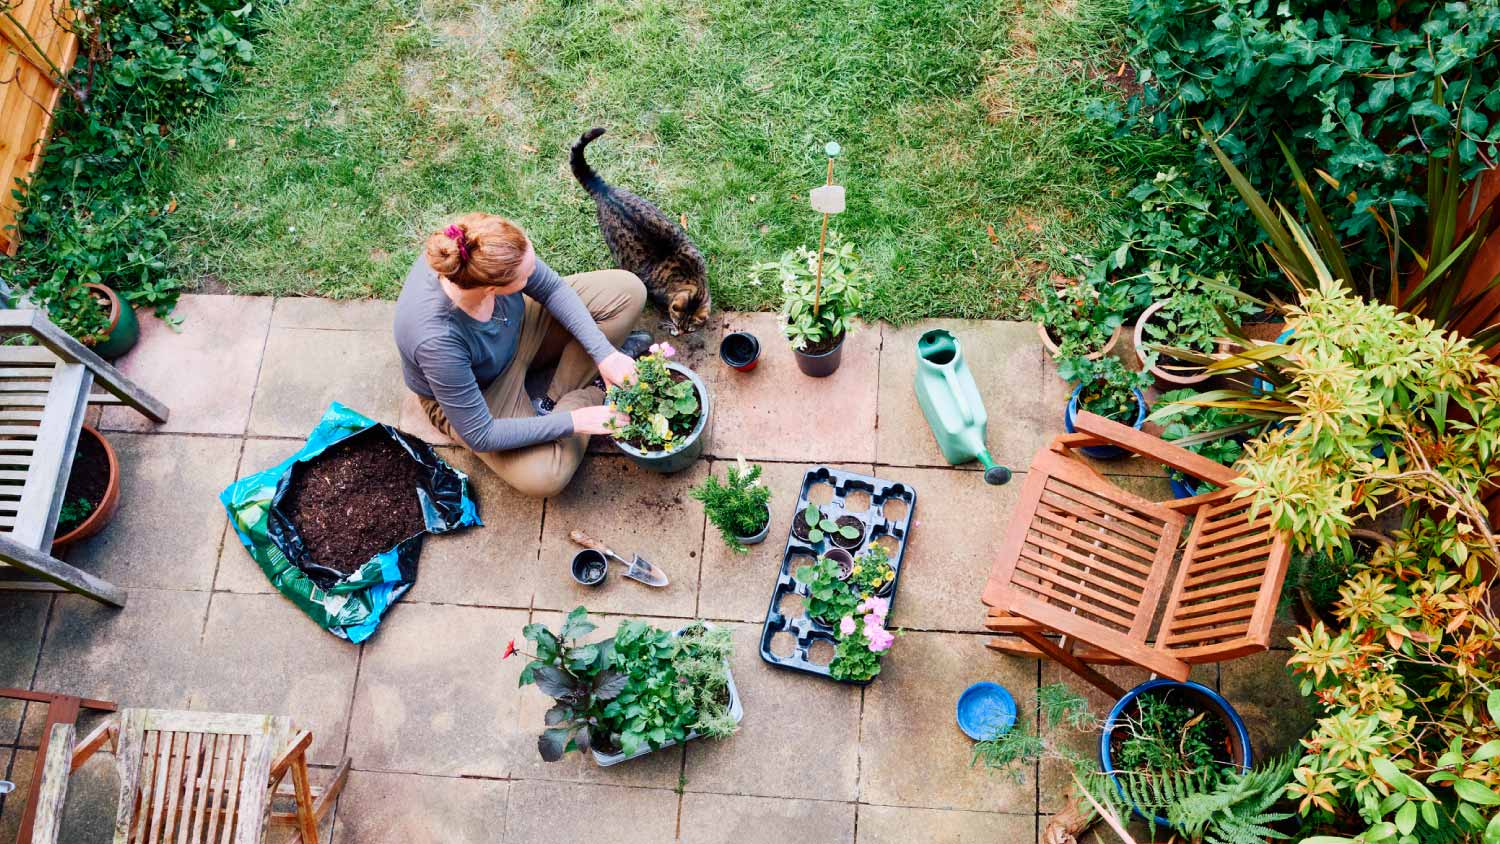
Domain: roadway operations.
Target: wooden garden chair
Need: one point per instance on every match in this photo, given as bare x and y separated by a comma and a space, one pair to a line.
1082, 575
196, 778
44, 391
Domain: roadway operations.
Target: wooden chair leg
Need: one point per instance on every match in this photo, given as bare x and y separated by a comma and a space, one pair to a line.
1078, 666
307, 821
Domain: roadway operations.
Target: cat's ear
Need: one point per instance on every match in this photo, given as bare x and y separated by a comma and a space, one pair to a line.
677, 305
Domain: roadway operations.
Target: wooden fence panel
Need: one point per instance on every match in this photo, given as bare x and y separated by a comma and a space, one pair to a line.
29, 93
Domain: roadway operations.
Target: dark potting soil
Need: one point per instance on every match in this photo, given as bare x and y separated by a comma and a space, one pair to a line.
88, 480
800, 527
355, 500
850, 521
824, 346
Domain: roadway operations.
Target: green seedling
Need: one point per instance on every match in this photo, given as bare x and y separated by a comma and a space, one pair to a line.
819, 526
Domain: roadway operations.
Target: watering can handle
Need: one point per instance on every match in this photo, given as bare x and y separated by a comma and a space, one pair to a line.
958, 396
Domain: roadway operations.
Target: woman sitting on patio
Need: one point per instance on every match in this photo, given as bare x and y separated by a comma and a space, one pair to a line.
468, 339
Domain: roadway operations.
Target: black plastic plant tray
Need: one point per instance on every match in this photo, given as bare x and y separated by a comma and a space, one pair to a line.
805, 631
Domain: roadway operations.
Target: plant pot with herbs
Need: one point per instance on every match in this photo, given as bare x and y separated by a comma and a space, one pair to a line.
640, 691
1212, 432
740, 507
668, 408
1108, 387
1081, 318
1163, 734
1176, 336
819, 309
93, 491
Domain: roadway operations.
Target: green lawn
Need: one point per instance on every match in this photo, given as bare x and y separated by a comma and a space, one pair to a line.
365, 122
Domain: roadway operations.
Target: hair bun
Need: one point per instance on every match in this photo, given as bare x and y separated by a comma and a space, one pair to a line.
443, 254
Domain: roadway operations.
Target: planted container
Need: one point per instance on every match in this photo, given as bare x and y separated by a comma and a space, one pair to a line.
1168, 371
1103, 452
736, 711
1050, 344
124, 330
821, 363
760, 536
94, 455
1236, 749
689, 448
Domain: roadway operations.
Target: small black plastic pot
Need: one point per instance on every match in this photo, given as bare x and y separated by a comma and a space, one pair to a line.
589, 567
740, 350
843, 558
820, 365
848, 544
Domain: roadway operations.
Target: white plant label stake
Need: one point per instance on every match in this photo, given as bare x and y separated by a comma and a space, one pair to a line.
826, 199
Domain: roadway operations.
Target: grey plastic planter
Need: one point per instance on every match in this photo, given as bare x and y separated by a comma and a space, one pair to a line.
736, 711
687, 451
759, 537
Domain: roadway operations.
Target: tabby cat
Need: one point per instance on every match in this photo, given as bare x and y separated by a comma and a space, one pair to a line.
645, 241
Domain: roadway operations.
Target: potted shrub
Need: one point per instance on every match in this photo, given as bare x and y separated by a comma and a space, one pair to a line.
819, 314
1084, 317
1315, 577
812, 526
739, 507
863, 641
872, 575
668, 408
1176, 333
1109, 388
642, 690
829, 597
93, 491
1167, 730
1211, 432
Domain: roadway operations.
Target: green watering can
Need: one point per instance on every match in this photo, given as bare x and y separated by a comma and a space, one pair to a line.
950, 401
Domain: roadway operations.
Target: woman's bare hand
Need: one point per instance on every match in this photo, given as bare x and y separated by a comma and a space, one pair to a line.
596, 420
617, 369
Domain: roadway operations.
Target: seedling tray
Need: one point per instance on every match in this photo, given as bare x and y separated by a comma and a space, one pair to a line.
887, 519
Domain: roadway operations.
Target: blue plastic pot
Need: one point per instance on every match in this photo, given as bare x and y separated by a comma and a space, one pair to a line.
985, 711
1181, 489
1207, 698
1103, 452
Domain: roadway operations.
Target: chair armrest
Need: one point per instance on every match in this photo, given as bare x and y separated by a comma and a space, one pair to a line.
58, 342
299, 746
108, 731
1155, 448
52, 784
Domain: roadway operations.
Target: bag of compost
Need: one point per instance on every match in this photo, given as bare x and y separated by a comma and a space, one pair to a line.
337, 527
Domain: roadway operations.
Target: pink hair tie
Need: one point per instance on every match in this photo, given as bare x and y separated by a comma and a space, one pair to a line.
457, 234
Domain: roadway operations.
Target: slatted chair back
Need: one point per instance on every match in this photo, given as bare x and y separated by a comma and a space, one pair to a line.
195, 777
39, 397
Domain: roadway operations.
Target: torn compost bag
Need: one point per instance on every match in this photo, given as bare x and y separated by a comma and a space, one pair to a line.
349, 606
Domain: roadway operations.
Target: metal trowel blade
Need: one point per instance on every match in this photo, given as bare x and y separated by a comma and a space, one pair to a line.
646, 572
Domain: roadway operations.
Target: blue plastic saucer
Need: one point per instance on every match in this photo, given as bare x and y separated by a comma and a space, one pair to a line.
986, 710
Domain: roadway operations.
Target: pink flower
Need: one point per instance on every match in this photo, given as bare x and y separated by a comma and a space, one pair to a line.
876, 606
667, 350
846, 626
880, 640
655, 348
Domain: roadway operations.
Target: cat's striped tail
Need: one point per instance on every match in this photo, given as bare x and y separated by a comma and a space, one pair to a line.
581, 170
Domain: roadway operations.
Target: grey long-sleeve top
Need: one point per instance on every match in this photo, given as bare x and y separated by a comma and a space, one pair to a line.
451, 357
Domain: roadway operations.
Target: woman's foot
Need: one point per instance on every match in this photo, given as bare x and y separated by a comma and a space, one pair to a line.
636, 344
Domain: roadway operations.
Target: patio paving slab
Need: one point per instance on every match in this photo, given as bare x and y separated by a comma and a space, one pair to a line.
204, 371
236, 571
23, 618
157, 540
956, 527
264, 655
733, 819
633, 511
16, 766
306, 369
434, 697
1263, 691
774, 412
566, 813
494, 565
800, 736
659, 769
148, 654
335, 314
738, 586
911, 751
897, 825
378, 808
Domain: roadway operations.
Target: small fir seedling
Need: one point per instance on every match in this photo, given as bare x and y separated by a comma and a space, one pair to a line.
828, 597
819, 526
740, 506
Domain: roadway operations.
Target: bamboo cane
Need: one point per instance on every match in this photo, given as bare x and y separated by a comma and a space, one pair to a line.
822, 240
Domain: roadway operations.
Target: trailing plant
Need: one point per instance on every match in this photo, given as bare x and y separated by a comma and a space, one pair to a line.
662, 405
740, 506
1109, 386
1408, 746
1081, 316
819, 526
89, 214
1211, 432
701, 661
578, 677
828, 598
872, 571
863, 640
817, 315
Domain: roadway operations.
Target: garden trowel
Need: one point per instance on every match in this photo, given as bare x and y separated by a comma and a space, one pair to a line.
637, 569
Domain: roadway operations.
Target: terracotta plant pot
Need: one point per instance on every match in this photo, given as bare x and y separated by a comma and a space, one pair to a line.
107, 505
1166, 378
123, 331
1053, 351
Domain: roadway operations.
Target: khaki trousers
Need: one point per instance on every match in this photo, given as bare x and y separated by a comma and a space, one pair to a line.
614, 299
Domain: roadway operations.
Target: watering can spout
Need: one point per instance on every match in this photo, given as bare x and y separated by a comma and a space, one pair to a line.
951, 403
